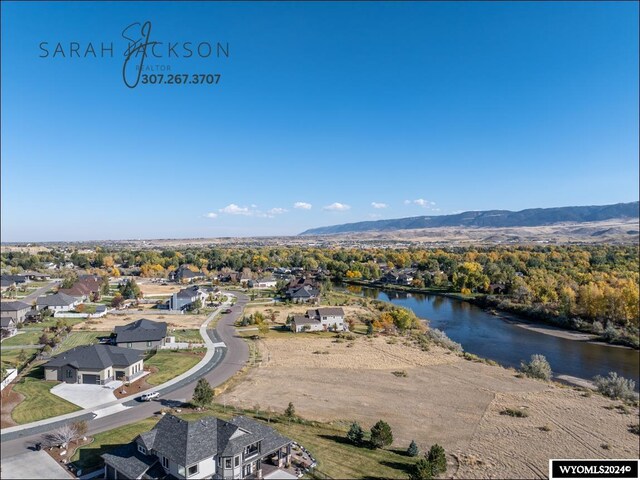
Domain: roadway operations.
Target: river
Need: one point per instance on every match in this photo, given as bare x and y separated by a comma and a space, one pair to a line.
489, 336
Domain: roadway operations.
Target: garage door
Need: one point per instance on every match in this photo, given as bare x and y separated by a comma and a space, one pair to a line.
92, 379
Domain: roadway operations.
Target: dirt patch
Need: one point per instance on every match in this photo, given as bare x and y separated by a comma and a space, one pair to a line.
70, 450
158, 290
282, 311
443, 399
10, 400
108, 322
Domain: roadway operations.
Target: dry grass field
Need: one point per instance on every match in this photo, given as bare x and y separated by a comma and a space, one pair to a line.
107, 322
443, 399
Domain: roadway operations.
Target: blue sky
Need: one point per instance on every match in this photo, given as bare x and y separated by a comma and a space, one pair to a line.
322, 111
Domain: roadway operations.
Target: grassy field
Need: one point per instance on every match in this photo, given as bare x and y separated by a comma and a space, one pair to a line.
89, 455
169, 364
75, 339
25, 338
184, 335
39, 403
10, 357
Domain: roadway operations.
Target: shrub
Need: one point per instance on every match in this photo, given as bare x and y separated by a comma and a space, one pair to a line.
538, 367
381, 435
437, 459
355, 434
413, 451
400, 373
514, 412
290, 410
615, 387
635, 429
546, 428
440, 338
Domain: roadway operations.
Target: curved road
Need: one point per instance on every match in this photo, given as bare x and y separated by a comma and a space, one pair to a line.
224, 364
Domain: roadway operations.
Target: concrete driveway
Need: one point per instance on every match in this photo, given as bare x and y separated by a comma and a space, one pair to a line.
33, 465
85, 396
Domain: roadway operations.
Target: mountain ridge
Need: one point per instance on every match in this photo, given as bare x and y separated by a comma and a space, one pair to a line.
531, 217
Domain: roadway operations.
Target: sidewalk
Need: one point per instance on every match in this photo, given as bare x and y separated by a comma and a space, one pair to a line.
211, 349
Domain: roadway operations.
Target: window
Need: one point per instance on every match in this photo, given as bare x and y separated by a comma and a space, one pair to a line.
192, 470
69, 373
148, 343
227, 463
129, 345
165, 462
142, 450
236, 461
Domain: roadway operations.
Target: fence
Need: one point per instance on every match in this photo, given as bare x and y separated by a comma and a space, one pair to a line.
79, 315
9, 378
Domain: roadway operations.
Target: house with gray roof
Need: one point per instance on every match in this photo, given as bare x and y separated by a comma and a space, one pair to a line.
58, 302
185, 298
8, 327
95, 364
204, 448
320, 319
16, 310
142, 334
183, 274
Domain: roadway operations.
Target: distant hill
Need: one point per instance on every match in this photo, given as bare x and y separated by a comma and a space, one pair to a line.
532, 217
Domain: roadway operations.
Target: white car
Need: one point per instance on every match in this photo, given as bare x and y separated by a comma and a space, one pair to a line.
147, 397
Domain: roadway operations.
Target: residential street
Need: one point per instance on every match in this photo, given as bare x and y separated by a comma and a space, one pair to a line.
224, 363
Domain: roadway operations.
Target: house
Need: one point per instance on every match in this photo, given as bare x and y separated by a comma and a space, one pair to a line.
8, 327
302, 290
87, 287
6, 284
37, 276
183, 274
398, 277
185, 298
204, 448
16, 310
262, 283
58, 302
142, 334
95, 365
18, 280
320, 319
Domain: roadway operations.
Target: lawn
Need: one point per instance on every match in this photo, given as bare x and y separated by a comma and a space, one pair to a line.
39, 403
184, 335
336, 457
75, 339
25, 338
10, 357
89, 455
170, 364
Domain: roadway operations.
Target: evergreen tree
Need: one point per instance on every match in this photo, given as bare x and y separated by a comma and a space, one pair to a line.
437, 459
422, 470
381, 435
290, 412
413, 451
203, 394
355, 434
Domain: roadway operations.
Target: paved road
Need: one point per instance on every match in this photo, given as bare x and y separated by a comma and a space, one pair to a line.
40, 291
225, 363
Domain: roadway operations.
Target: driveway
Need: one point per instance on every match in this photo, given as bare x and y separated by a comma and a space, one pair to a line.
85, 396
33, 465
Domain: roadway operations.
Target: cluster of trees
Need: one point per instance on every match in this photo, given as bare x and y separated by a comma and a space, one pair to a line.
596, 284
380, 435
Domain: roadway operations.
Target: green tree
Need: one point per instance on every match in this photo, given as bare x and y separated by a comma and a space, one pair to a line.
538, 367
413, 451
422, 470
355, 434
381, 435
290, 411
203, 393
437, 459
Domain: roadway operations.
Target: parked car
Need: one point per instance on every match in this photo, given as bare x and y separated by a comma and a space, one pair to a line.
147, 397
226, 310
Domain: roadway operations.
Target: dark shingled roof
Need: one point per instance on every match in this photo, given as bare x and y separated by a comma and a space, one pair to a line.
96, 357
330, 311
56, 300
189, 292
128, 461
13, 306
187, 442
5, 322
141, 331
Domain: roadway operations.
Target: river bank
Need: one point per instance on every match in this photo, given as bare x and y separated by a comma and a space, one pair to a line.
524, 319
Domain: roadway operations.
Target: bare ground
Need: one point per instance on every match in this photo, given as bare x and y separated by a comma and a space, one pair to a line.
443, 399
107, 322
9, 400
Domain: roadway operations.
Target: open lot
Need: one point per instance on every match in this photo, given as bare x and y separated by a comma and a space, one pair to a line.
156, 289
443, 399
108, 322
